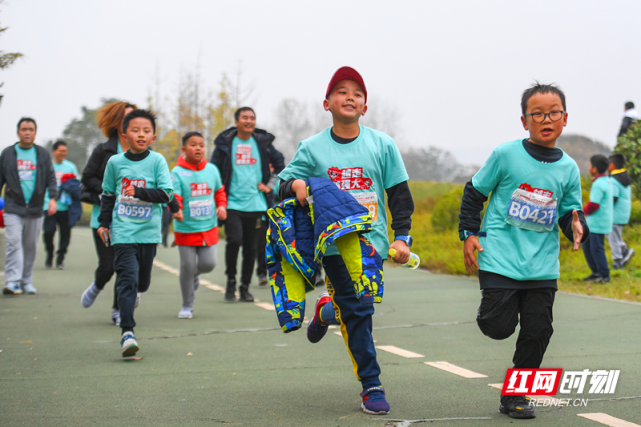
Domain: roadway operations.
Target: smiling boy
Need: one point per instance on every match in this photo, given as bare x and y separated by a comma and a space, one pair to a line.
367, 164
135, 185
535, 190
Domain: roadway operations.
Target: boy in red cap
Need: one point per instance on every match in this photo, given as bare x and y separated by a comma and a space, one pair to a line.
367, 164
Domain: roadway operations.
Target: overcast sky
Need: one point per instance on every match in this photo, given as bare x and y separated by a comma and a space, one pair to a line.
454, 70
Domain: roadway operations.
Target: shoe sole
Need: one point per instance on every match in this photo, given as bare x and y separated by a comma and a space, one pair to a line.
516, 415
185, 317
30, 293
627, 260
7, 291
367, 411
130, 351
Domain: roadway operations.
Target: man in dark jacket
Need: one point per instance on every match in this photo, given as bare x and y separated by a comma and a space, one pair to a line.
27, 171
630, 116
243, 155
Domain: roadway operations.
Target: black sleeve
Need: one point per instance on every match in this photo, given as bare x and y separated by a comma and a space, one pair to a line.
174, 207
565, 224
285, 189
107, 204
217, 159
625, 125
401, 206
276, 159
89, 176
471, 208
52, 183
152, 195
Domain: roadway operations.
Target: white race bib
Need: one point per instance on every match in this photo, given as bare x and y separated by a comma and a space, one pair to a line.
130, 209
26, 175
368, 199
201, 209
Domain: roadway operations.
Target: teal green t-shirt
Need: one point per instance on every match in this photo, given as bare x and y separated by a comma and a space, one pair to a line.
95, 210
623, 205
528, 250
365, 168
197, 189
61, 169
136, 221
246, 173
600, 222
27, 165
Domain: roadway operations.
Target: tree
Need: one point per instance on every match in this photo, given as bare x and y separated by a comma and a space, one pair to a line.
630, 146
292, 125
7, 59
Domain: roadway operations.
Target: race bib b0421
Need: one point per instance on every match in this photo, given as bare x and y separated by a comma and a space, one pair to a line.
532, 209
130, 209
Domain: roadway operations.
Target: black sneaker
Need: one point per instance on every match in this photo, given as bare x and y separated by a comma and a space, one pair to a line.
628, 256
49, 263
603, 280
230, 292
60, 266
516, 407
592, 277
617, 264
245, 296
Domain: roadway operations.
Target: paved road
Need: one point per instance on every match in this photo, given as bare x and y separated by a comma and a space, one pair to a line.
60, 363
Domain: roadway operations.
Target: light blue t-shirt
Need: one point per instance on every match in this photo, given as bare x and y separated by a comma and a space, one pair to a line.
246, 173
365, 168
27, 165
521, 221
600, 222
61, 169
197, 189
623, 205
95, 210
136, 221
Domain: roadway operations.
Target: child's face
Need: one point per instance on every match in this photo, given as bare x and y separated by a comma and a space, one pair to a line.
194, 150
593, 170
139, 135
611, 167
346, 101
546, 132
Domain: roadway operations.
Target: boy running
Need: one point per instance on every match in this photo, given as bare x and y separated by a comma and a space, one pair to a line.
535, 190
201, 199
367, 164
135, 185
622, 193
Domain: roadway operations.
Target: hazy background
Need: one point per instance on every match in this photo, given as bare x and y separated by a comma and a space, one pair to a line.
450, 74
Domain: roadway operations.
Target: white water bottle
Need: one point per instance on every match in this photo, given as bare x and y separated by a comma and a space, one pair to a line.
412, 264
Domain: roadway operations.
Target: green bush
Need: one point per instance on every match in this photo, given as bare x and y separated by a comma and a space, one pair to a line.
446, 210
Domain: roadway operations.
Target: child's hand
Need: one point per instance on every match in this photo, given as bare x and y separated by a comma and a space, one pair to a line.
130, 191
300, 188
178, 216
263, 188
471, 245
221, 213
102, 232
402, 252
577, 230
52, 208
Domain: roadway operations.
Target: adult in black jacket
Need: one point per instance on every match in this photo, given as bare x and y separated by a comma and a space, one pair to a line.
243, 155
110, 122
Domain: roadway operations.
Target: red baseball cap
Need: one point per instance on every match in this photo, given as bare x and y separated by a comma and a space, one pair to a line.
346, 73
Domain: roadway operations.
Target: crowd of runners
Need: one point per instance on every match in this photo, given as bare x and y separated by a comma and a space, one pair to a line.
325, 210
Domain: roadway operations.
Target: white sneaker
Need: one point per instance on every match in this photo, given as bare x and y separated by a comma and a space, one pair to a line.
29, 289
89, 295
115, 317
185, 313
12, 289
137, 300
128, 344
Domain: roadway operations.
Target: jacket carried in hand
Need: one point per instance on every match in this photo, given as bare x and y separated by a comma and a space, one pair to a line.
45, 180
71, 185
298, 238
222, 157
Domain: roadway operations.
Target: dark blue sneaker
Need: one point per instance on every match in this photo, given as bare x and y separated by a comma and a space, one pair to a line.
374, 401
316, 329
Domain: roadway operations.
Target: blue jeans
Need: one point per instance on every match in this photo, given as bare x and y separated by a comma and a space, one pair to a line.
594, 250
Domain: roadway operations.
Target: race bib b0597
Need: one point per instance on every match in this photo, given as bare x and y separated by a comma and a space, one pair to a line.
532, 209
130, 209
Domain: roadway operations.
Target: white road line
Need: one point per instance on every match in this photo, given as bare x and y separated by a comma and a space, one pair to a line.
266, 306
498, 385
608, 420
457, 370
398, 351
166, 267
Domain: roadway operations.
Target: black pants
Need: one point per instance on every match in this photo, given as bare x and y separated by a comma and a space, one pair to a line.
133, 263
166, 221
261, 241
105, 268
60, 219
240, 230
502, 309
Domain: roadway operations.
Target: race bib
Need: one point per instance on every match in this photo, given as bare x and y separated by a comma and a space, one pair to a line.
130, 209
26, 175
65, 198
201, 209
532, 209
370, 201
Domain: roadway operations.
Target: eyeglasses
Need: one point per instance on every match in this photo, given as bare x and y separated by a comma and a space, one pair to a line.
555, 116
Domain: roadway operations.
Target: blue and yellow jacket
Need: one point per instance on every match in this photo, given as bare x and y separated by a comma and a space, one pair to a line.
298, 238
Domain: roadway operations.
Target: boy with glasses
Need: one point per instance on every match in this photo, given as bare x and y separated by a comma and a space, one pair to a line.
535, 190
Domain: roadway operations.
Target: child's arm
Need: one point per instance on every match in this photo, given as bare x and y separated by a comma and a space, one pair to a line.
107, 201
572, 220
470, 221
401, 206
152, 195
